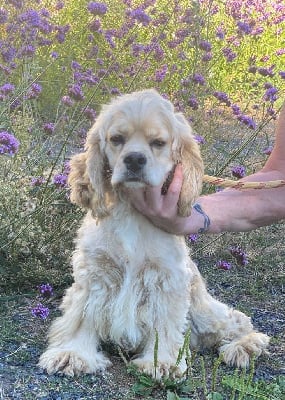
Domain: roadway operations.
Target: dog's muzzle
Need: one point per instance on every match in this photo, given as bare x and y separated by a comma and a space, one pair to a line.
135, 163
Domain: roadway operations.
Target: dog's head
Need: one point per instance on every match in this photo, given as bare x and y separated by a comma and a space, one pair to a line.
136, 141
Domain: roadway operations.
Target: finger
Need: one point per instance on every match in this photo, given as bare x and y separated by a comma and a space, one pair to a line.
153, 197
137, 198
175, 186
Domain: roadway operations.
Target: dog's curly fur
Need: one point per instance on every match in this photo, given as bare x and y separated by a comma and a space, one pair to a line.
132, 279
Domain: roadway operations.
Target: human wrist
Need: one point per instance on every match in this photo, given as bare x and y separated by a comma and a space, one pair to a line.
206, 220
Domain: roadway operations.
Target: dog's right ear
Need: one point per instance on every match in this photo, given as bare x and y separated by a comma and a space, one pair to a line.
87, 177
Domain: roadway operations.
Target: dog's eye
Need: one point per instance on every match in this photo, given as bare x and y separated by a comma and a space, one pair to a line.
157, 143
117, 139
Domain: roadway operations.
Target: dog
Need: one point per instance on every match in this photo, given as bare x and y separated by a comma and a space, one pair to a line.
133, 282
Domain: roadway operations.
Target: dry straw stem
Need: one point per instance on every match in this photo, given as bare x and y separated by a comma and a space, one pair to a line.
215, 180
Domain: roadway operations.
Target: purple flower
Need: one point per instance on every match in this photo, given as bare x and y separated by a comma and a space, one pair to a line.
8, 143
97, 8
67, 101
45, 290
16, 3
245, 119
268, 150
40, 311
252, 69
66, 167
244, 27
239, 255
61, 33
271, 94
28, 50
235, 109
204, 45
60, 180
140, 16
161, 73
193, 238
222, 97
282, 74
38, 181
220, 33
193, 102
200, 139
95, 25
229, 54
238, 171
7, 88
3, 16
34, 91
265, 71
207, 57
75, 65
49, 127
90, 113
75, 91
198, 79
224, 265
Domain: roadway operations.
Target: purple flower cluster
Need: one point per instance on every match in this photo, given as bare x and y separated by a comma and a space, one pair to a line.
222, 97
193, 238
199, 139
140, 15
40, 311
268, 150
238, 171
24, 31
239, 254
271, 94
160, 74
114, 53
49, 127
34, 91
9, 145
97, 8
45, 290
222, 264
38, 181
60, 180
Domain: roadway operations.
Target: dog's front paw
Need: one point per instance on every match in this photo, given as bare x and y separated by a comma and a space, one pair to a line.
70, 363
238, 352
163, 369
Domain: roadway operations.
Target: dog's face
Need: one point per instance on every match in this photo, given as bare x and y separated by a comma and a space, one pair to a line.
139, 138
139, 147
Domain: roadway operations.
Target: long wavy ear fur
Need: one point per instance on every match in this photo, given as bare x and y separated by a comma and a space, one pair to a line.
187, 152
87, 177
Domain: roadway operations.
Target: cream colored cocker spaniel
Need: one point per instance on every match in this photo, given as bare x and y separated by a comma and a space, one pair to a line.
132, 279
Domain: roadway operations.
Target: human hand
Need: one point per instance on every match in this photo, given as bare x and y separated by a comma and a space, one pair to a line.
162, 209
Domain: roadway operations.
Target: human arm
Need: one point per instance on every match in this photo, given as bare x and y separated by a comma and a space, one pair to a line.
229, 210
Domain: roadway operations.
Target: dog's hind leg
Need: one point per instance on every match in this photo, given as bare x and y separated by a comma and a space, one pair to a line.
214, 324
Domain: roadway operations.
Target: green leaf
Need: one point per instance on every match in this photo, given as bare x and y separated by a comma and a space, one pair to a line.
214, 396
172, 396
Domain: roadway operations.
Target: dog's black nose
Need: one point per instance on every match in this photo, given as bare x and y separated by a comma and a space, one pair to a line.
135, 161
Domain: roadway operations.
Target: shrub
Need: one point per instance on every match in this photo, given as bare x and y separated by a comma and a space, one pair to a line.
59, 61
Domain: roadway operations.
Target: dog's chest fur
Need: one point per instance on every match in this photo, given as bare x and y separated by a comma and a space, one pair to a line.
138, 277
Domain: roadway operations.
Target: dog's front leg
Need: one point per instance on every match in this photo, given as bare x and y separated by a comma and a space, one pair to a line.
162, 360
73, 343
164, 313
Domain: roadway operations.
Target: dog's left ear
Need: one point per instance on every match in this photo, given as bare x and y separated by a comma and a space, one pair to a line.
186, 151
